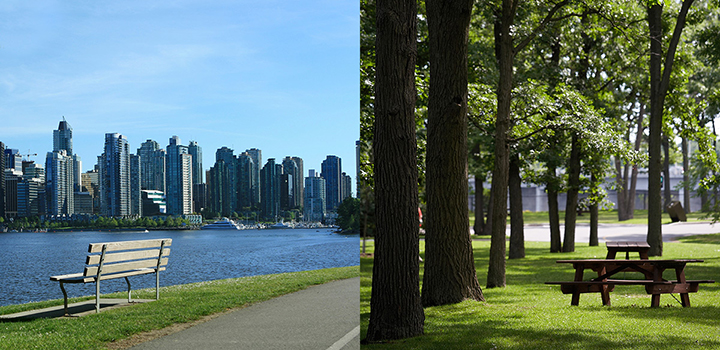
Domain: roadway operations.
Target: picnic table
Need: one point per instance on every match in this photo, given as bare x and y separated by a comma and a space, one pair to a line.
614, 247
652, 270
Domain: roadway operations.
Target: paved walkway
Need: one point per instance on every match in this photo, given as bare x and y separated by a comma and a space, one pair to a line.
621, 232
318, 318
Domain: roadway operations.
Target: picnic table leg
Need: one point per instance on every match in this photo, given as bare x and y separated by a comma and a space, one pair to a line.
575, 301
684, 297
605, 294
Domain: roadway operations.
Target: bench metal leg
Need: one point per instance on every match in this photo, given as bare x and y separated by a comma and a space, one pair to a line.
97, 296
62, 287
157, 285
128, 284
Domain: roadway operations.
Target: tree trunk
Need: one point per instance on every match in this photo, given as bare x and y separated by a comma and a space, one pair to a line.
572, 195
395, 306
449, 276
659, 83
504, 53
553, 213
488, 223
594, 216
479, 206
517, 237
667, 194
654, 237
687, 190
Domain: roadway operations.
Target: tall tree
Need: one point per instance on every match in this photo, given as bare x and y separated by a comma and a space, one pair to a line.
395, 306
506, 48
449, 275
659, 82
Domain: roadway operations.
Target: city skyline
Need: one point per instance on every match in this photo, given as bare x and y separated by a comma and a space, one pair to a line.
210, 72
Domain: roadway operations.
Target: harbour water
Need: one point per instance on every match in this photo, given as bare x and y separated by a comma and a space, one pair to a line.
27, 260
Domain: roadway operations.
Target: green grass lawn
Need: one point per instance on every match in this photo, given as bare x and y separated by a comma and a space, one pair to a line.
604, 217
177, 304
527, 314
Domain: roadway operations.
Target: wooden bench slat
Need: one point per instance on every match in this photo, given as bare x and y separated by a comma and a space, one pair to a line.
127, 245
125, 266
133, 255
129, 273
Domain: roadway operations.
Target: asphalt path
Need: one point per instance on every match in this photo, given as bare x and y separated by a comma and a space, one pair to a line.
621, 232
324, 317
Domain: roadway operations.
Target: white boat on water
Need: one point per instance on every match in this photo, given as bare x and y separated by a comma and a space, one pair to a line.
279, 225
223, 224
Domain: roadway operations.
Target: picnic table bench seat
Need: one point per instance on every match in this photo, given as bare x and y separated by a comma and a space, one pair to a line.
124, 259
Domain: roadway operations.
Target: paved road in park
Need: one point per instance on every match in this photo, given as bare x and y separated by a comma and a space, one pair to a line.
324, 317
622, 232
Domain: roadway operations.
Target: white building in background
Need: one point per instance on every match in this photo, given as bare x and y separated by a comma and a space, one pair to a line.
535, 197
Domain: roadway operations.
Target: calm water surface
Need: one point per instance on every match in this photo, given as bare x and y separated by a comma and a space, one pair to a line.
27, 260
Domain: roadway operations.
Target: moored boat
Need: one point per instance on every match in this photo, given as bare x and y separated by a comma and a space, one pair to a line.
222, 224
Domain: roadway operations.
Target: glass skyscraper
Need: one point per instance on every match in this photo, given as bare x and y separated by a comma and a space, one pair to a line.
114, 176
256, 156
314, 206
152, 166
332, 173
178, 177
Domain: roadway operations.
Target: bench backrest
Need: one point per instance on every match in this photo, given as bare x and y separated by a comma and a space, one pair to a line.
120, 257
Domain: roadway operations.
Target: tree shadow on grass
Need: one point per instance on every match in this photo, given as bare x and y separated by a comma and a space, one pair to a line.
457, 327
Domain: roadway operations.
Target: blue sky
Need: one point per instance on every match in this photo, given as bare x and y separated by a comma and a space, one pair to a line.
281, 76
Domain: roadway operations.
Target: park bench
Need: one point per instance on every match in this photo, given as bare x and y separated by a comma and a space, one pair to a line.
112, 260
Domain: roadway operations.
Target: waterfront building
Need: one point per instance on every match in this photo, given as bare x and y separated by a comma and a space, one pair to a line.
2, 180
135, 178
294, 167
178, 178
83, 202
199, 197
245, 166
12, 179
32, 170
314, 206
31, 192
197, 168
91, 183
152, 166
221, 183
256, 156
287, 201
299, 183
59, 183
346, 187
153, 203
270, 189
13, 159
332, 172
114, 173
62, 137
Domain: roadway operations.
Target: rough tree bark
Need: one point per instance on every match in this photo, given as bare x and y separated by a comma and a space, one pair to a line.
659, 83
449, 275
517, 239
667, 194
553, 212
594, 218
395, 306
504, 54
572, 195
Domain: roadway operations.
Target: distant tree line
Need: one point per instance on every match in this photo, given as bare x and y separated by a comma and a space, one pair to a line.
34, 222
